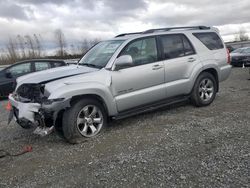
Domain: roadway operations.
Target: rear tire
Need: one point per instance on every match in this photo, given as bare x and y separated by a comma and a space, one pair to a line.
204, 90
85, 119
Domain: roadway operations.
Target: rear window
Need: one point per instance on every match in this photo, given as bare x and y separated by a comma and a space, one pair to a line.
211, 40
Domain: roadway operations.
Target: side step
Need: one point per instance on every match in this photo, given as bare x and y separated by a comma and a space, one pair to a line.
150, 107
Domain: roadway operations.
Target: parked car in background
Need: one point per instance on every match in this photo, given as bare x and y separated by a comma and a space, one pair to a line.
9, 74
3, 66
240, 57
71, 61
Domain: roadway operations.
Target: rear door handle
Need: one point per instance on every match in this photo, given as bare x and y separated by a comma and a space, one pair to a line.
157, 67
191, 59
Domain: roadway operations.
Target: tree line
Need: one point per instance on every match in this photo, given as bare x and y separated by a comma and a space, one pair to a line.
23, 47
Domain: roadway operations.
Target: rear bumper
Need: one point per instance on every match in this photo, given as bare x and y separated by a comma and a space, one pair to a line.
225, 72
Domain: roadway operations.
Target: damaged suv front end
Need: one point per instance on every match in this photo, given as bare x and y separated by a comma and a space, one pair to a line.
32, 105
32, 108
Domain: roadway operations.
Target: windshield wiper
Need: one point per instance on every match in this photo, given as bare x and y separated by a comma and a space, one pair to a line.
91, 65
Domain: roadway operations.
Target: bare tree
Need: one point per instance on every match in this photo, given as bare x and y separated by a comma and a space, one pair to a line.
21, 46
85, 46
12, 50
94, 42
38, 46
30, 46
61, 42
242, 35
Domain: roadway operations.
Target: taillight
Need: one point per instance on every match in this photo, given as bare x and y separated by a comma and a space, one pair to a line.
228, 57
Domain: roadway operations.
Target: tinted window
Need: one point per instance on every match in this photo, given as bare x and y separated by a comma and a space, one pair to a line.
39, 66
20, 69
142, 51
188, 48
247, 50
211, 40
176, 46
58, 64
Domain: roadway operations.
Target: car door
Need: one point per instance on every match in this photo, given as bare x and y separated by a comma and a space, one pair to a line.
179, 60
143, 82
15, 71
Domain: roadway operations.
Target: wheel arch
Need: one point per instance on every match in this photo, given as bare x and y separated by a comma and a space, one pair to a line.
214, 72
76, 98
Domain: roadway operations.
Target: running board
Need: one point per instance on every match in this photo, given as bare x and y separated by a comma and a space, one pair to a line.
150, 107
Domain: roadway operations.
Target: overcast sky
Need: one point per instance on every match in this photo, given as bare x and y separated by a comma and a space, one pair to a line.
79, 19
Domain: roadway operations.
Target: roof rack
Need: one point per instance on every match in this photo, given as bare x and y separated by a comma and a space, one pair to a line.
124, 34
173, 28
165, 29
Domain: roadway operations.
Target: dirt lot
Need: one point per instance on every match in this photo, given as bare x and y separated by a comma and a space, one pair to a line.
181, 146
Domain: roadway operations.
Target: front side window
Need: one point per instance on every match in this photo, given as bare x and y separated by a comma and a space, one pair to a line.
100, 54
20, 69
142, 51
39, 66
211, 40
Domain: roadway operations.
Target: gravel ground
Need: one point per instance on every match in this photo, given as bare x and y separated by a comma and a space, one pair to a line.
179, 146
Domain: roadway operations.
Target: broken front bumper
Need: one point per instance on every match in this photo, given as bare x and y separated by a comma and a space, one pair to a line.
36, 114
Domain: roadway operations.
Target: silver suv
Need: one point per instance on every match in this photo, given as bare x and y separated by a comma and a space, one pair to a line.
129, 74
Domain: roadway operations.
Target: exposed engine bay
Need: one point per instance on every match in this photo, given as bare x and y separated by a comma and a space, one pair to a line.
30, 93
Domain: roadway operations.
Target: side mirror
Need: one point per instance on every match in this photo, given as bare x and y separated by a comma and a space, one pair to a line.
8, 75
123, 61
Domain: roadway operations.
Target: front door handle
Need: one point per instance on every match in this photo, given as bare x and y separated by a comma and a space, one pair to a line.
157, 67
191, 59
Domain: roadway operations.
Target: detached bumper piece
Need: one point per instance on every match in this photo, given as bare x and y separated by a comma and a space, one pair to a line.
43, 131
40, 123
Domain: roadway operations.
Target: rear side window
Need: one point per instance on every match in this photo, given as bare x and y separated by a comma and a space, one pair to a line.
42, 66
211, 40
58, 64
20, 69
175, 46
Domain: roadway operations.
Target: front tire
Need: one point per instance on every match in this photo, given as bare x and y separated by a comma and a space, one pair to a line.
204, 90
85, 119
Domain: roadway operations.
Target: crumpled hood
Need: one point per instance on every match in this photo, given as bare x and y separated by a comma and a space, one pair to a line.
102, 77
54, 74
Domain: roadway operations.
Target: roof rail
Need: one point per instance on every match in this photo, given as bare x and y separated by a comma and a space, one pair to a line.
173, 28
124, 34
164, 29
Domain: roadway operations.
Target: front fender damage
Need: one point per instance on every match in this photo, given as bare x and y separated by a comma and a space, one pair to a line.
41, 115
48, 115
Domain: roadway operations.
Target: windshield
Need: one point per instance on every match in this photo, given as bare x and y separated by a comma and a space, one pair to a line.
100, 54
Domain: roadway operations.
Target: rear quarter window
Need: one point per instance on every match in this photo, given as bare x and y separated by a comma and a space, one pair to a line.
211, 40
58, 64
